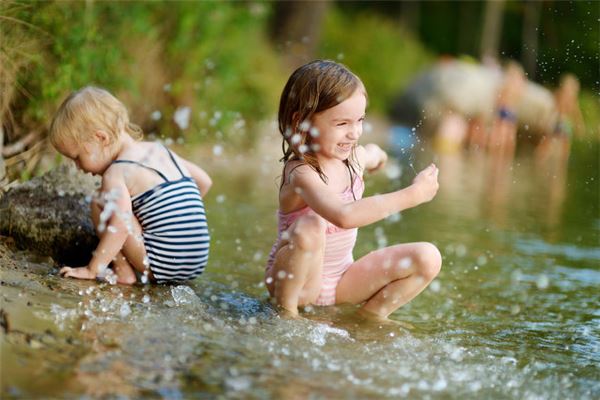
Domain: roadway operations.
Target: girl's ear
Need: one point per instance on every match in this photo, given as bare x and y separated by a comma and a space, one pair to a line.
102, 136
295, 121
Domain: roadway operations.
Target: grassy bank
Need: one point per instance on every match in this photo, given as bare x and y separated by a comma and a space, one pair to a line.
196, 71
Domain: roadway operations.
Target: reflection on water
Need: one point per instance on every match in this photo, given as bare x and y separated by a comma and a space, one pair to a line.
515, 312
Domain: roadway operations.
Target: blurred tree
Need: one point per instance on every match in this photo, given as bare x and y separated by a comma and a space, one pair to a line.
530, 42
492, 29
410, 15
296, 29
3, 179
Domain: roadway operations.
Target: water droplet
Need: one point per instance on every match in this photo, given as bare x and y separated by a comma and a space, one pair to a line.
542, 281
296, 138
125, 310
304, 126
182, 117
461, 250
405, 263
393, 171
217, 150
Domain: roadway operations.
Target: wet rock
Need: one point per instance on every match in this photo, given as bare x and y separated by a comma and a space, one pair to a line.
50, 215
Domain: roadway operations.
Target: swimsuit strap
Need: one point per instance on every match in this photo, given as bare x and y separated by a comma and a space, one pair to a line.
351, 179
141, 165
174, 162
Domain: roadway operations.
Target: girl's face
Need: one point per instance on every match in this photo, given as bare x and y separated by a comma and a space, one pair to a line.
340, 127
90, 156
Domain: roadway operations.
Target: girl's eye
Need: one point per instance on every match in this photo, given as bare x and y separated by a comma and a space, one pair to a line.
341, 124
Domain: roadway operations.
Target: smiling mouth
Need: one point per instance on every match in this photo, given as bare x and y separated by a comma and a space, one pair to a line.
345, 146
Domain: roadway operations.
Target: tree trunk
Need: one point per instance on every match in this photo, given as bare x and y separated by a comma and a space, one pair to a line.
296, 29
3, 178
410, 15
492, 29
531, 24
467, 32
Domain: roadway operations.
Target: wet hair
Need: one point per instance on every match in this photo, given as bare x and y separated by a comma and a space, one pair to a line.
313, 88
87, 110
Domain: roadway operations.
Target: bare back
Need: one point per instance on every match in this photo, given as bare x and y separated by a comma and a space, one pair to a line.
152, 155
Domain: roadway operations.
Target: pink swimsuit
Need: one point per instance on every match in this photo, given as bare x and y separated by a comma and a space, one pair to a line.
339, 243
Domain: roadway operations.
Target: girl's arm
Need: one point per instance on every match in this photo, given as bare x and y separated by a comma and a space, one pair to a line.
199, 175
371, 157
117, 206
318, 196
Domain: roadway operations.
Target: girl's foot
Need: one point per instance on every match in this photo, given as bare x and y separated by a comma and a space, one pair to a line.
372, 318
284, 313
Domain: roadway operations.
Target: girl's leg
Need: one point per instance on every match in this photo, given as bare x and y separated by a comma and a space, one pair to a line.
388, 278
477, 134
132, 254
295, 278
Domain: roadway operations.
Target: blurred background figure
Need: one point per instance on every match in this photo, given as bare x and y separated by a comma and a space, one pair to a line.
503, 131
446, 99
568, 122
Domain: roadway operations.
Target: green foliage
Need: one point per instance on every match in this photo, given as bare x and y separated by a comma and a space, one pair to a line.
212, 55
590, 108
223, 60
382, 54
215, 58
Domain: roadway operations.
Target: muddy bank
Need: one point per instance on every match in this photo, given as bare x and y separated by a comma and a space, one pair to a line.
49, 215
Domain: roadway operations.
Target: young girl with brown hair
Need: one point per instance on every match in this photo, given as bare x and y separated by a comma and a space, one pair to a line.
321, 114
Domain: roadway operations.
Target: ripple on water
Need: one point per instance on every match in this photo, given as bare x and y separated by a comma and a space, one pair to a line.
536, 246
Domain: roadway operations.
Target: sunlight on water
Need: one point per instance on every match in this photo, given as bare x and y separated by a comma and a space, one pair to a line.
513, 314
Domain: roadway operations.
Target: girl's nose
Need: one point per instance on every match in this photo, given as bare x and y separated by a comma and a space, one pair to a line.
355, 131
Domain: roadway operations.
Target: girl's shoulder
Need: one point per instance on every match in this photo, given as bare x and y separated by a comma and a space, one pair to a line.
361, 153
292, 167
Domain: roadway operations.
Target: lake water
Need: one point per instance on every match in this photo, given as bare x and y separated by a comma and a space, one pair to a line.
514, 313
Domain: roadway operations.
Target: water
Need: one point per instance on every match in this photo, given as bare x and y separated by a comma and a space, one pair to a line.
515, 312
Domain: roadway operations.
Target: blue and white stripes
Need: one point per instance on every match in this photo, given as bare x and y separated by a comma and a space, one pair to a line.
174, 229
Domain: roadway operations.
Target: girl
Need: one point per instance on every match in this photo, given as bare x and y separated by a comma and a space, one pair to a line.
321, 113
149, 214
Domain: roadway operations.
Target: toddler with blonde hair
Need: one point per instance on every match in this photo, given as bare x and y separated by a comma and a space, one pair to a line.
149, 212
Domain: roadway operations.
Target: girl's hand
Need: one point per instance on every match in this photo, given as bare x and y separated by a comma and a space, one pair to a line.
78, 273
374, 158
426, 184
382, 161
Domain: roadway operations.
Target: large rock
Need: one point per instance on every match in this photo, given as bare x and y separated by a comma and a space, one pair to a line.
50, 215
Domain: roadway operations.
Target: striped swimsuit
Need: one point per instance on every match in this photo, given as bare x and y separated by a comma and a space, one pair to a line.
339, 243
174, 226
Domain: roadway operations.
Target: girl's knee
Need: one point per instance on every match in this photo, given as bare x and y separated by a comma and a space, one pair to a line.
429, 261
309, 233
